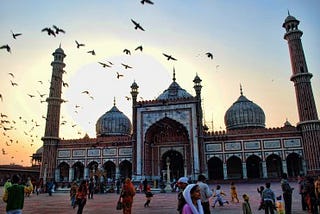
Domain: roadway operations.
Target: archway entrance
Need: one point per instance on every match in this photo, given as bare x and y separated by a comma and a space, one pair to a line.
125, 169
109, 170
215, 168
274, 166
253, 166
234, 168
163, 134
294, 165
93, 169
78, 171
176, 163
64, 171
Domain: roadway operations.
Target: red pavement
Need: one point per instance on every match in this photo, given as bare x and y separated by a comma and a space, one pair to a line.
162, 203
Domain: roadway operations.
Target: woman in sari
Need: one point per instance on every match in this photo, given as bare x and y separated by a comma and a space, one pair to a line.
127, 194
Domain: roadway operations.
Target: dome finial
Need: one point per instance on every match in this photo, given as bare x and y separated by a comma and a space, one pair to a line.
241, 93
114, 101
174, 75
289, 13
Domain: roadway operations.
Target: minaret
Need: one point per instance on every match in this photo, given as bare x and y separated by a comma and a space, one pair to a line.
51, 135
309, 123
197, 87
134, 93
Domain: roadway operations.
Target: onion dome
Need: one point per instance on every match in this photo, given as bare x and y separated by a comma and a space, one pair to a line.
174, 91
40, 150
244, 114
113, 123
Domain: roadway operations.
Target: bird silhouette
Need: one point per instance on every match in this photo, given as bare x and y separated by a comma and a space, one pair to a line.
14, 83
126, 51
146, 1
14, 35
49, 31
169, 57
137, 25
7, 47
85, 92
11, 74
128, 98
3, 115
126, 66
40, 82
92, 52
31, 95
79, 44
64, 84
139, 48
104, 64
58, 30
41, 95
209, 55
119, 75
1, 97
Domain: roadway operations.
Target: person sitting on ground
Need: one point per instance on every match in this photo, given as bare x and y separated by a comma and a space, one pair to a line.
219, 194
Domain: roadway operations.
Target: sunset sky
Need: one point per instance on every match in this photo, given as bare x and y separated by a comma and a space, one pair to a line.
245, 37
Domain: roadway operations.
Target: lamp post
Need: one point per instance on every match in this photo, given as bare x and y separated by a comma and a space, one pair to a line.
168, 187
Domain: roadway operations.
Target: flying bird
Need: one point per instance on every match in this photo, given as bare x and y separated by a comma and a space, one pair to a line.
146, 1
14, 35
126, 66
64, 84
209, 55
128, 98
40, 82
7, 47
92, 52
126, 51
137, 25
79, 44
49, 31
14, 83
11, 74
169, 57
119, 75
1, 97
104, 64
30, 95
139, 48
85, 92
58, 30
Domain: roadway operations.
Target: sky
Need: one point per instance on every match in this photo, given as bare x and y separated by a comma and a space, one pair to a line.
244, 36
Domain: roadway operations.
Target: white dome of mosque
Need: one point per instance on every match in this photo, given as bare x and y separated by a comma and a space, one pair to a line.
174, 91
244, 114
113, 122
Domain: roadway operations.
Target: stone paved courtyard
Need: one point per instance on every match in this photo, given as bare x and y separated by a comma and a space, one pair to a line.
164, 203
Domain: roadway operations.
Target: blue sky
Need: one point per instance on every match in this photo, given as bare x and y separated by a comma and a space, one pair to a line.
245, 37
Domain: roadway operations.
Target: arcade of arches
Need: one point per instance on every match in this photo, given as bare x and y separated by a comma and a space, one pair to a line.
254, 167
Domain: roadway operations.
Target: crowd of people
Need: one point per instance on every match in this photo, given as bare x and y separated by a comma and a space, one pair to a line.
193, 197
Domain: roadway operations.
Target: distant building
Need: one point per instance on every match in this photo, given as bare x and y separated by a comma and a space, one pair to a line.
168, 132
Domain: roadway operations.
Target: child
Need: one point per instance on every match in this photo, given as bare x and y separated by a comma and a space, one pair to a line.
233, 192
246, 205
149, 195
260, 190
219, 194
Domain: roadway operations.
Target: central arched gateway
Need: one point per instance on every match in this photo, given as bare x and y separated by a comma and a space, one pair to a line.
166, 138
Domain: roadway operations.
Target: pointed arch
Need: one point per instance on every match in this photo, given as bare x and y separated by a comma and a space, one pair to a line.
294, 164
274, 166
215, 168
234, 167
254, 166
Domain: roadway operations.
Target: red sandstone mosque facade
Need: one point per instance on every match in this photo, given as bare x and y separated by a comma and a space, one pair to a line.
168, 133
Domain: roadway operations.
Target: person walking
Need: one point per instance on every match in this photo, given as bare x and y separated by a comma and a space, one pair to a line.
182, 183
192, 195
246, 208
234, 193
287, 193
127, 194
219, 194
311, 198
73, 193
81, 196
205, 193
50, 187
14, 196
302, 186
91, 188
269, 199
149, 195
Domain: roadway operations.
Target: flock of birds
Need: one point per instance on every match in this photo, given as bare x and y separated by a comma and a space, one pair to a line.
30, 126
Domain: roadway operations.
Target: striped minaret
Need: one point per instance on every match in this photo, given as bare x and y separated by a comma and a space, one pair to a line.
51, 135
309, 123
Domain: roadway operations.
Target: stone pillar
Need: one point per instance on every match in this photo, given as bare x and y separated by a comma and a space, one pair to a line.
86, 173
71, 174
264, 170
117, 172
284, 166
57, 175
225, 172
244, 170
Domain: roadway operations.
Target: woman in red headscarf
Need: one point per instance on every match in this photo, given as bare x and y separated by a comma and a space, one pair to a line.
127, 194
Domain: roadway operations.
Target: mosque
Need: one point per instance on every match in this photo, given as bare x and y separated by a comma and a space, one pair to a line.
167, 134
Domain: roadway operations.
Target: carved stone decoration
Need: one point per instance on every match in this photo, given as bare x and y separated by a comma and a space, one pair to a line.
271, 144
